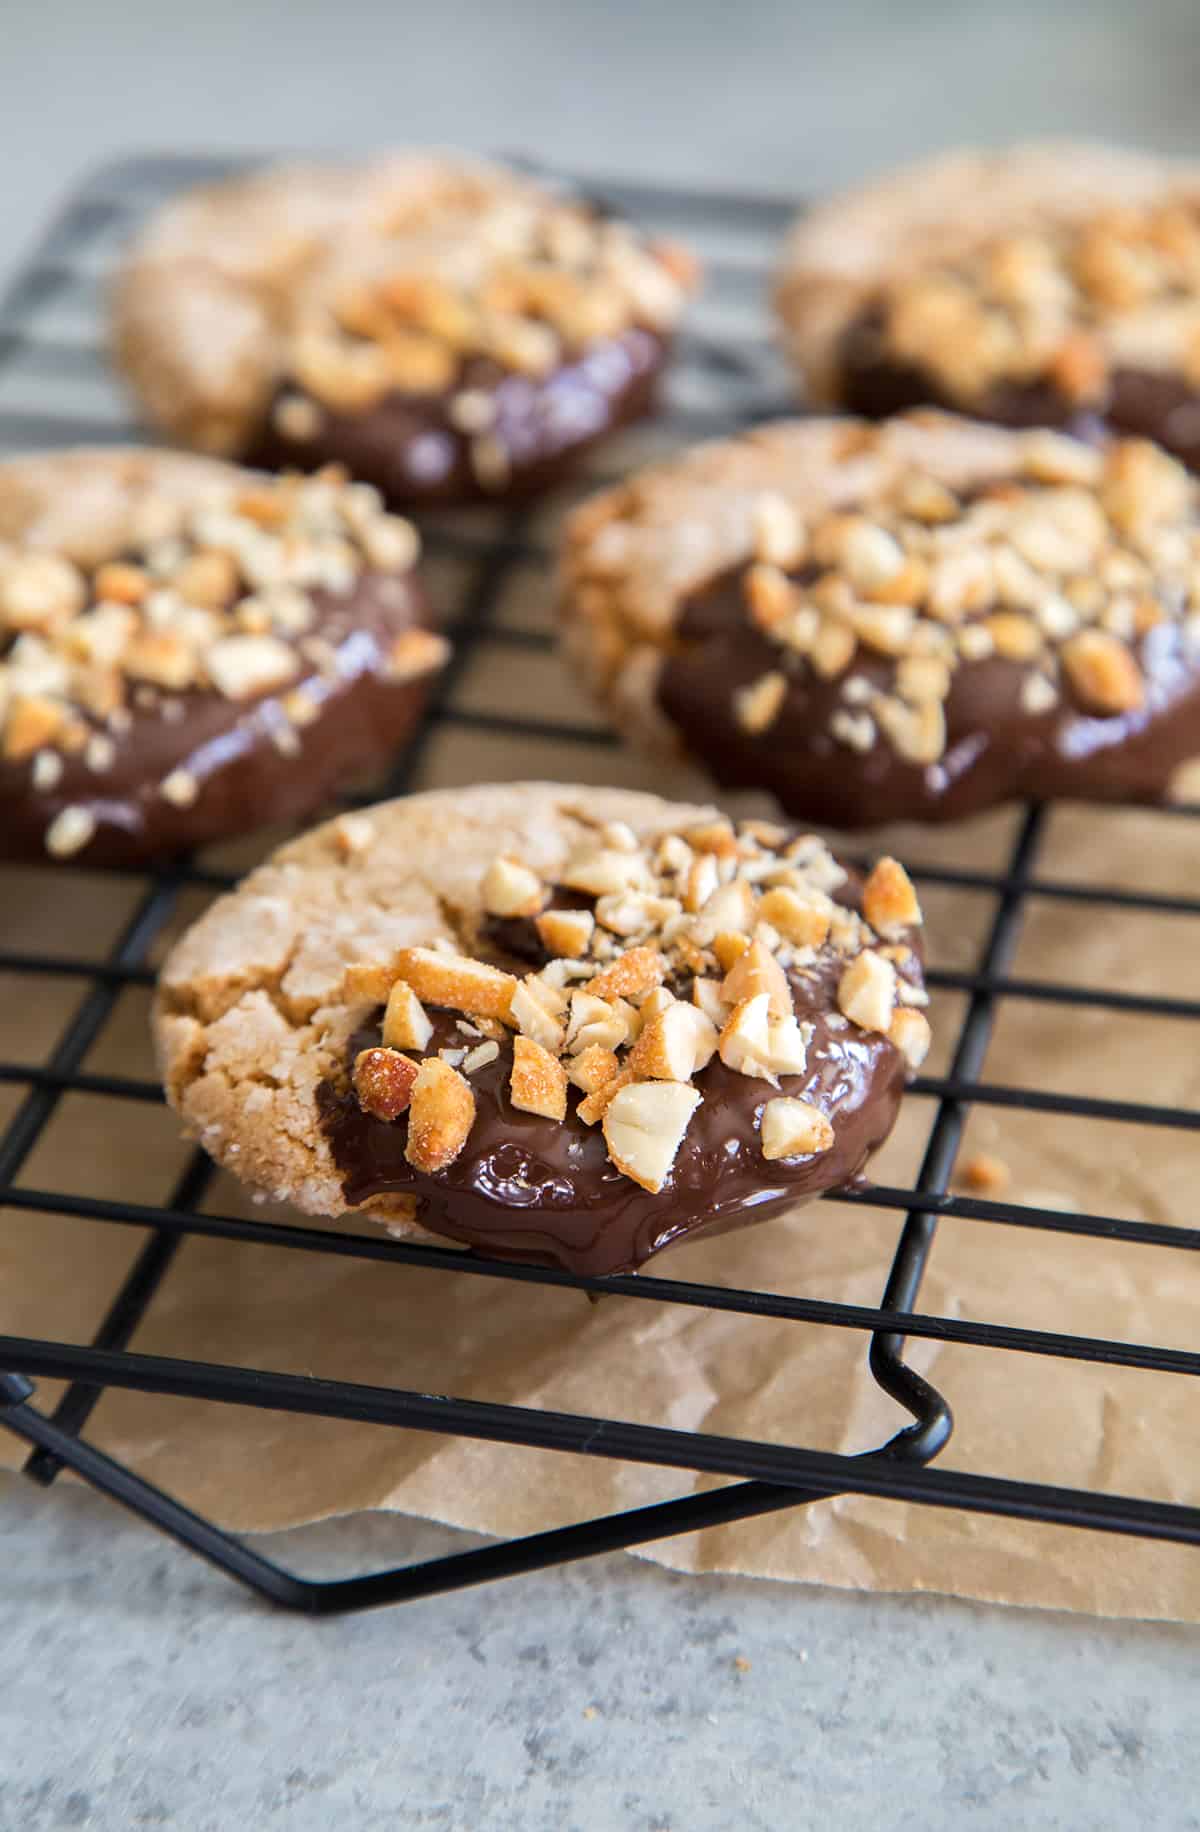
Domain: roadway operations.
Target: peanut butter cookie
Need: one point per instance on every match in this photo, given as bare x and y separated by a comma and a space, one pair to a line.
560, 1024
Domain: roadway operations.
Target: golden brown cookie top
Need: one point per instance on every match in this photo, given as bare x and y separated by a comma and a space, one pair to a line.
358, 281
1054, 262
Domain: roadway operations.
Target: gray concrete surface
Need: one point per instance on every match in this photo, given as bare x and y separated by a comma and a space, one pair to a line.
139, 1689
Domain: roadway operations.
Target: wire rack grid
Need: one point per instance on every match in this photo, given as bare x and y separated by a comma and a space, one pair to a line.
55, 390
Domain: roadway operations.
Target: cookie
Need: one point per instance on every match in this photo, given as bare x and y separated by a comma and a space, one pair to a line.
567, 1025
188, 650
909, 621
1048, 285
450, 331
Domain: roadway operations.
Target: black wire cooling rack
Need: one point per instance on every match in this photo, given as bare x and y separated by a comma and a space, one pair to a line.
55, 390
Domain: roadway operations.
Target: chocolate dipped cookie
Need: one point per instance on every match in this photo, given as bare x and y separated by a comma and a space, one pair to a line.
916, 620
189, 650
567, 1025
450, 331
1046, 285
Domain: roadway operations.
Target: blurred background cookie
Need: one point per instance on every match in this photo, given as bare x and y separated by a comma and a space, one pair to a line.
189, 650
448, 330
911, 621
1052, 284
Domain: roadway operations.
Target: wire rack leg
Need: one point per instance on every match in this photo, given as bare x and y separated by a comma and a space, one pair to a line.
934, 1419
314, 1597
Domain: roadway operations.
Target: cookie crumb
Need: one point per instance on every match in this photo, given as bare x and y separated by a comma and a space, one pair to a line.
741, 1663
986, 1173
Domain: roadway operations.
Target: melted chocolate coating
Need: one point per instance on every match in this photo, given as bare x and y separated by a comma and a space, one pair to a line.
408, 448
1145, 403
229, 746
995, 751
534, 1189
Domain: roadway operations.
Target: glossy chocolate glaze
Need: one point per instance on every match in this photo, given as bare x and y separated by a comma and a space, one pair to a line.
530, 1188
231, 747
1146, 403
995, 751
409, 449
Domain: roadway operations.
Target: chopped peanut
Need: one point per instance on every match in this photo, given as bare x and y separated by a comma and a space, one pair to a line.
674, 1044
566, 932
441, 1114
866, 992
456, 981
804, 921
406, 1025
644, 1126
755, 971
889, 900
794, 1129
909, 1031
383, 1082
511, 889
592, 1068
539, 1080
632, 973
535, 1009
1103, 672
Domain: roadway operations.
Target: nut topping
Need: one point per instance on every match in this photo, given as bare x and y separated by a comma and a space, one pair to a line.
909, 1031
213, 599
745, 1041
1109, 542
674, 1044
633, 973
496, 270
69, 832
592, 1068
798, 920
242, 666
758, 706
1063, 303
457, 981
535, 1008
406, 1025
539, 1080
644, 1125
383, 1082
632, 1016
755, 971
441, 1114
867, 991
566, 932
1103, 673
889, 900
794, 1129
1076, 569
511, 889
